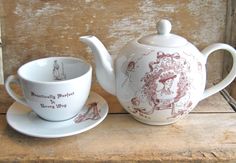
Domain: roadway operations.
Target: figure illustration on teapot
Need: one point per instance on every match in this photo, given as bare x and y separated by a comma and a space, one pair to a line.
165, 74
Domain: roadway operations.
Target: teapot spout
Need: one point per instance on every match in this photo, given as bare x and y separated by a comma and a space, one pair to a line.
104, 63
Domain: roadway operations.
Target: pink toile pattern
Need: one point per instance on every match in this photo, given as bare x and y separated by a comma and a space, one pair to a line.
165, 85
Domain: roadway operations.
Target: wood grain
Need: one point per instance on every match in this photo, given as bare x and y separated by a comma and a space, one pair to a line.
230, 39
197, 138
1, 60
1, 57
43, 28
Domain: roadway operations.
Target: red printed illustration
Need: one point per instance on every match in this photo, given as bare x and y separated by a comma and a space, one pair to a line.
93, 113
165, 86
130, 67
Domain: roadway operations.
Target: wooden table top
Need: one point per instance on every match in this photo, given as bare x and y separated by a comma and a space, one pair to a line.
207, 134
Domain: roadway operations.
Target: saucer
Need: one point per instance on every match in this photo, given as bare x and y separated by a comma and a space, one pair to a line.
24, 120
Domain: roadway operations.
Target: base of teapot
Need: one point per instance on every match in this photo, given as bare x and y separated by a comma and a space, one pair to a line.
154, 122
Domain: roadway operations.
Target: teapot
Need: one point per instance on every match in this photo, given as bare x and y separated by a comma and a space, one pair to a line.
158, 78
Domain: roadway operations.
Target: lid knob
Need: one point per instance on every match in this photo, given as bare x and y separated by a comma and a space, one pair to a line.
164, 27
164, 38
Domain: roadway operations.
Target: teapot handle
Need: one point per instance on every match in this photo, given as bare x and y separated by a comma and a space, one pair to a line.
229, 78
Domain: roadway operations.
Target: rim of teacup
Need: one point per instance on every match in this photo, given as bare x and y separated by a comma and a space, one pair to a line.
19, 71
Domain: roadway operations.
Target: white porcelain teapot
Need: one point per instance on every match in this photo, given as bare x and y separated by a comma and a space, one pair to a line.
158, 78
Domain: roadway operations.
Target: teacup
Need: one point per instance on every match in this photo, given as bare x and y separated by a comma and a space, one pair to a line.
55, 88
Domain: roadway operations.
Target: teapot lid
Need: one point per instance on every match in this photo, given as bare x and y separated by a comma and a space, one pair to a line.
164, 37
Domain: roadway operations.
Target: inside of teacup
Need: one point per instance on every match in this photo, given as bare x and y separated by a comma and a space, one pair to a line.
53, 69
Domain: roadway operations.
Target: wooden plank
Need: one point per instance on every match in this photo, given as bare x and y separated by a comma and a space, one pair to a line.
198, 137
48, 28
5, 100
230, 38
1, 58
215, 103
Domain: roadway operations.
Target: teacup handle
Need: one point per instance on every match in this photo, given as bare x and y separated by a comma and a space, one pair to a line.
229, 78
14, 79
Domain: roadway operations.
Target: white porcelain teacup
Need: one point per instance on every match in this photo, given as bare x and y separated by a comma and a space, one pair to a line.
56, 88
